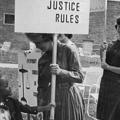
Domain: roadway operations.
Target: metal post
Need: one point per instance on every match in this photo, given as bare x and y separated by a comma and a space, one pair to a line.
23, 71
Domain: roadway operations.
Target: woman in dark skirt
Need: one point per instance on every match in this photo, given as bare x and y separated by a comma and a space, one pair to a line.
69, 101
109, 94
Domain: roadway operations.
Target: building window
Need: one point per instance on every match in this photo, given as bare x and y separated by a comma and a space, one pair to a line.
31, 61
35, 72
9, 19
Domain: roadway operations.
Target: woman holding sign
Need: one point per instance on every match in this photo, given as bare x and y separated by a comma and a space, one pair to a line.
109, 94
69, 102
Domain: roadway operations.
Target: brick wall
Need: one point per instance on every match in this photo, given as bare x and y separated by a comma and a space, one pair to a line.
8, 57
19, 41
113, 13
12, 77
7, 31
96, 27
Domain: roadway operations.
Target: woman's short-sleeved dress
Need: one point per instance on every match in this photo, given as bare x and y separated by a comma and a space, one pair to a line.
109, 93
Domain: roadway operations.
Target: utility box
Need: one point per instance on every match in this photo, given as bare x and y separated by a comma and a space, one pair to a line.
28, 78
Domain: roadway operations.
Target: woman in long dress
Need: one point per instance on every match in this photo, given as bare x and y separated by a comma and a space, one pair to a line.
109, 94
69, 101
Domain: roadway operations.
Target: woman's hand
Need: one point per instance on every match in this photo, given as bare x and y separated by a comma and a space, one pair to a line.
55, 69
105, 66
103, 46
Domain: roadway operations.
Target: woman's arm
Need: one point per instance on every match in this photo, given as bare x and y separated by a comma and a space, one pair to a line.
103, 49
114, 69
34, 109
74, 74
111, 68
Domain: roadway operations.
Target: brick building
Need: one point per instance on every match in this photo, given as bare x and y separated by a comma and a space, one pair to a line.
96, 28
19, 41
7, 26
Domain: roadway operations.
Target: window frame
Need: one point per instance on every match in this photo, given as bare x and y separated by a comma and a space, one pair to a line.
4, 18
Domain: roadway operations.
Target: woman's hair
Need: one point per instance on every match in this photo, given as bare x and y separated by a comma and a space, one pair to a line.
117, 22
3, 79
39, 37
68, 36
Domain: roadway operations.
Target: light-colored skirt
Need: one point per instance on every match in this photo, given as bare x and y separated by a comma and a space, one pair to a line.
69, 103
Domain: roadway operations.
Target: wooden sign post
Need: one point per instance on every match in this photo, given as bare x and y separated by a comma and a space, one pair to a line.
53, 81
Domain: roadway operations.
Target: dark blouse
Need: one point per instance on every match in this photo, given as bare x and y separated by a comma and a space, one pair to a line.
109, 93
113, 54
113, 59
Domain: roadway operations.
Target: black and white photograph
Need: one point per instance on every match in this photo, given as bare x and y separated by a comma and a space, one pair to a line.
59, 59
